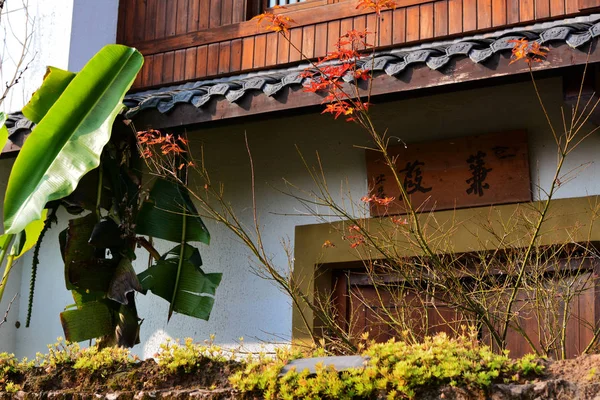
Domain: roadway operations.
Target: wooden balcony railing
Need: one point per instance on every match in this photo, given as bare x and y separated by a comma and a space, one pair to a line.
197, 39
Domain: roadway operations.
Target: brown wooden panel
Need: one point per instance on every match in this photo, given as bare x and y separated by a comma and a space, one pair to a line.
226, 12
498, 12
308, 41
193, 16
201, 61
283, 51
168, 66
224, 57
130, 21
215, 14
542, 9
412, 24
587, 4
346, 25
371, 26
239, 11
147, 71
455, 10
557, 7
271, 50
121, 25
236, 55
140, 21
399, 26
440, 11
321, 40
157, 69
512, 11
526, 10
182, 17
191, 55
161, 20
484, 14
426, 21
573, 6
360, 24
260, 44
216, 33
247, 53
333, 35
171, 18
469, 15
179, 66
385, 28
212, 64
150, 24
457, 173
295, 44
204, 14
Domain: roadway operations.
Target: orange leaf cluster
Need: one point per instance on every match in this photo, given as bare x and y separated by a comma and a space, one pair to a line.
528, 51
275, 22
328, 244
376, 5
329, 77
168, 144
386, 201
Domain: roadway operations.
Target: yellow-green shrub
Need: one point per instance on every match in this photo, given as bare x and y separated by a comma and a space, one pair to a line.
396, 369
187, 357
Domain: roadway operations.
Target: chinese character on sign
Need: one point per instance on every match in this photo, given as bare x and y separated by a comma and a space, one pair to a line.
479, 174
502, 152
413, 180
379, 181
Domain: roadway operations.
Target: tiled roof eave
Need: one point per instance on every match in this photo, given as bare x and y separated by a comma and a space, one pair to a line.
575, 32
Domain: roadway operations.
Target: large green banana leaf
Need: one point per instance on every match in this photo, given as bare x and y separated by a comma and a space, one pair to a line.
3, 130
56, 81
194, 290
68, 140
161, 215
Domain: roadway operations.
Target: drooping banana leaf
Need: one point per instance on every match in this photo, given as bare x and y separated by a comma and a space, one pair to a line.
91, 320
56, 81
27, 238
32, 233
124, 281
126, 332
85, 267
195, 290
161, 215
68, 140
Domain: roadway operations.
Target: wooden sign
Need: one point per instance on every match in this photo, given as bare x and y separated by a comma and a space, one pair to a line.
457, 173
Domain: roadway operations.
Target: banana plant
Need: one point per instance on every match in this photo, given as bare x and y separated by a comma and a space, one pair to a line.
73, 159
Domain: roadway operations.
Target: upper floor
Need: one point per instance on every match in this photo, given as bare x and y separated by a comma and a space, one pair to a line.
186, 40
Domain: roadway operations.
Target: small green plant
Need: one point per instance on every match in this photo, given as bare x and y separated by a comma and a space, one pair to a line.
60, 353
8, 365
396, 369
12, 387
174, 357
93, 359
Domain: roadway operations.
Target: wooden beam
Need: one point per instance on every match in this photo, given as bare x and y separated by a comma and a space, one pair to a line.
301, 17
421, 77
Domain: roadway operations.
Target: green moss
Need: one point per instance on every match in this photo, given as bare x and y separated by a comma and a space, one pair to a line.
395, 369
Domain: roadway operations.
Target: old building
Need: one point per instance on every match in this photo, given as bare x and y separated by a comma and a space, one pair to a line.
442, 77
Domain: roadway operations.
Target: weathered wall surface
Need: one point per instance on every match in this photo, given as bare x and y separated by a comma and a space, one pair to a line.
251, 307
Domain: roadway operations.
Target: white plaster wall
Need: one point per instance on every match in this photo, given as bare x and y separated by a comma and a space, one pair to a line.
94, 26
253, 308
